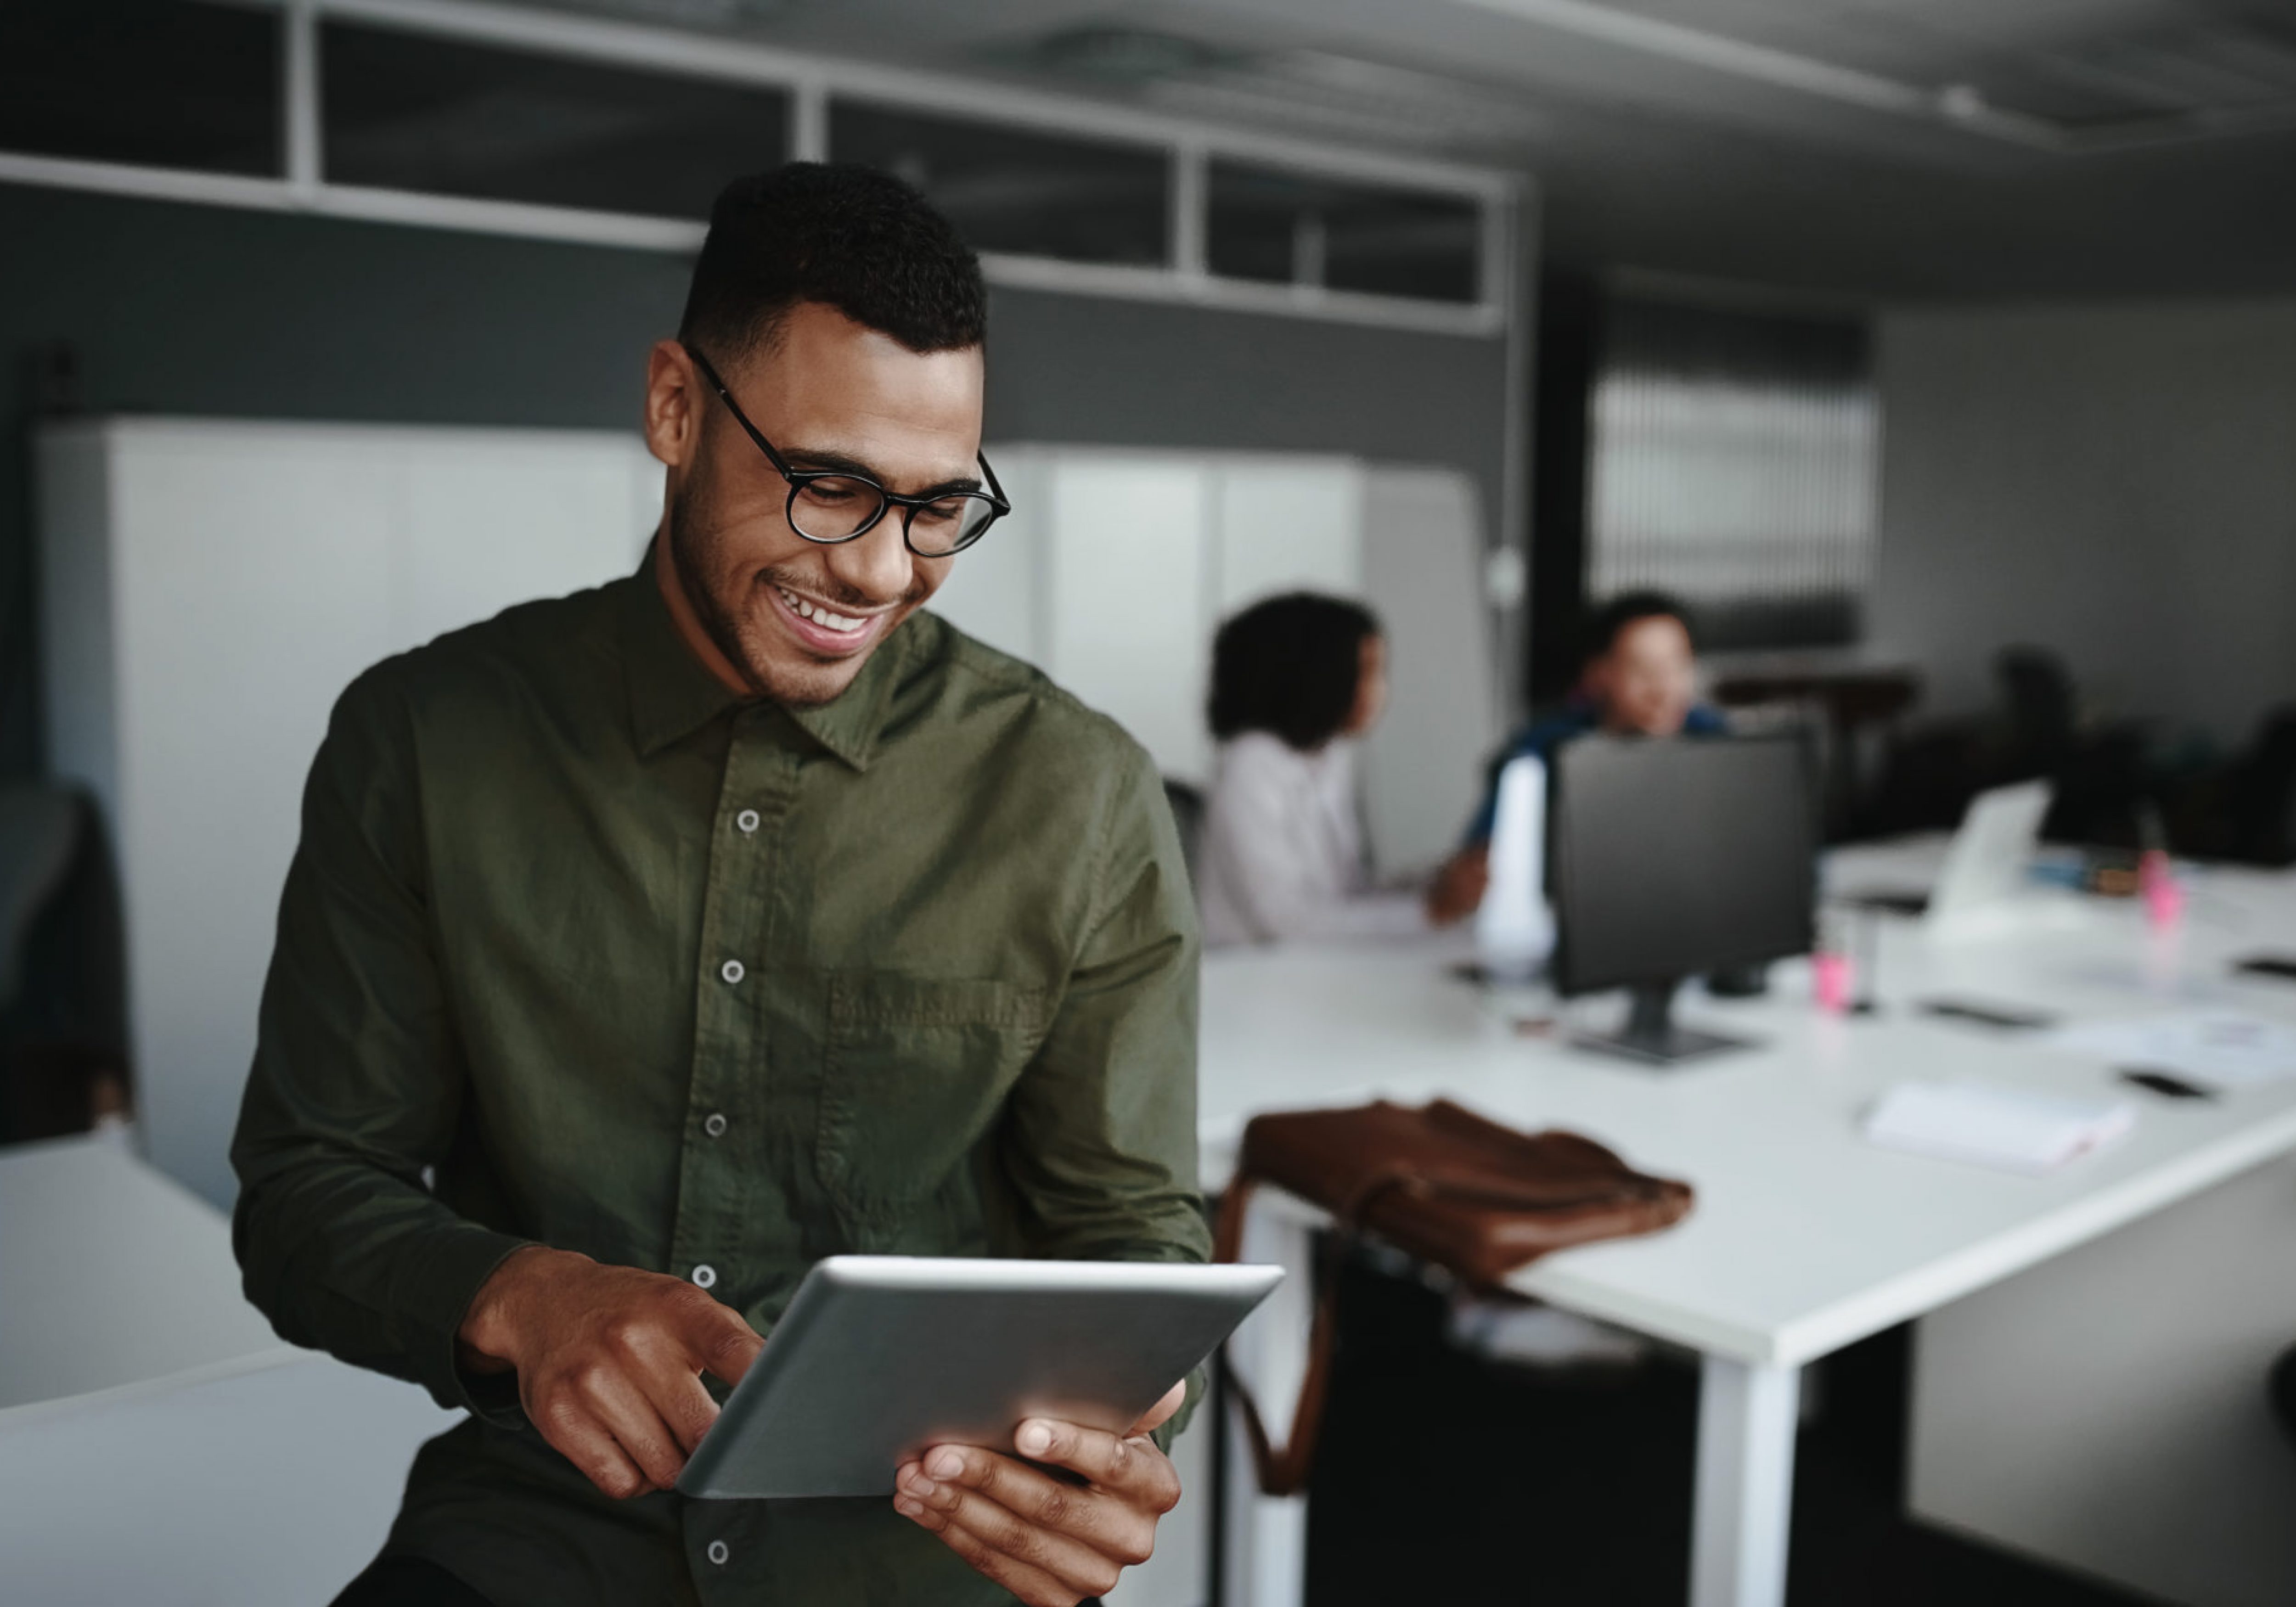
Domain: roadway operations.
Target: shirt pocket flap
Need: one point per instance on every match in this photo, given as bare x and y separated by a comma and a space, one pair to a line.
915, 1071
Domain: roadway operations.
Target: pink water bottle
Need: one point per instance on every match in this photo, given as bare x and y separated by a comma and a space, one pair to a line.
1833, 978
2156, 877
2164, 895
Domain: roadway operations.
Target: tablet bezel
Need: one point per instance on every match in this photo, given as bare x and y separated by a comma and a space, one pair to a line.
857, 1343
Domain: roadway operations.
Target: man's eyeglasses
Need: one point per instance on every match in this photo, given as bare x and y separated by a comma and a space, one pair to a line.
830, 506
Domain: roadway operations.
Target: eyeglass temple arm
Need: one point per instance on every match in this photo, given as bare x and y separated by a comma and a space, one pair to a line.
1003, 503
742, 418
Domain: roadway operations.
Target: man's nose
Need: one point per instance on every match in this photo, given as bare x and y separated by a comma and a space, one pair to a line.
876, 565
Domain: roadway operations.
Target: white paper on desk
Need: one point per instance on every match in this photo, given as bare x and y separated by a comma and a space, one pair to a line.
2218, 1048
2012, 1128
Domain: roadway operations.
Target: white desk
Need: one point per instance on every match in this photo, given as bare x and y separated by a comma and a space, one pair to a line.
111, 1275
1804, 1238
158, 1442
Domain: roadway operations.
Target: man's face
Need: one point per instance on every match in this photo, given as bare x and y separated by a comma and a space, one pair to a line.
777, 614
1647, 680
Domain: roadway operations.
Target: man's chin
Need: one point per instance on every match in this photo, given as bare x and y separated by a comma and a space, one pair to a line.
797, 682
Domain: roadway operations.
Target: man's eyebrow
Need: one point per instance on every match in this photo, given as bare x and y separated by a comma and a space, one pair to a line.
839, 463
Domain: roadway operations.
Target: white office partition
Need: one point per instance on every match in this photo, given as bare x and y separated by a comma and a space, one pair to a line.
1422, 564
995, 590
209, 588
1283, 524
491, 518
1125, 577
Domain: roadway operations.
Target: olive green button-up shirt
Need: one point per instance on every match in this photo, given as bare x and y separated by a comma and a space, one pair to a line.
578, 948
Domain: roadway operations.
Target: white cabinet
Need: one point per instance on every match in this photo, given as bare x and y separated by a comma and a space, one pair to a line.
1124, 568
210, 586
1284, 524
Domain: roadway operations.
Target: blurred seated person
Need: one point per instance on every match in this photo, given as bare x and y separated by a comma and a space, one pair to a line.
1295, 680
1639, 678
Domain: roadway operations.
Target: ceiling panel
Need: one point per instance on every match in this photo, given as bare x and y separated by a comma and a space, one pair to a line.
1672, 165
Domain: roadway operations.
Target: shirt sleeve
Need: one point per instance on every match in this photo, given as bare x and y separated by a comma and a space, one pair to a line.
358, 1084
1099, 1140
1255, 849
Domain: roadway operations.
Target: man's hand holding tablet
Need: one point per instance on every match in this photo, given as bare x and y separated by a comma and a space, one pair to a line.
998, 1402
1046, 1540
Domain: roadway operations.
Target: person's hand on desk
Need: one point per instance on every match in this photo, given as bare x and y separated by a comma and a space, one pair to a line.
1458, 887
608, 1361
1048, 1542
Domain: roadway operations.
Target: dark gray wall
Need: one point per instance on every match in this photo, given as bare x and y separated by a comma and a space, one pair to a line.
186, 309
2114, 480
1073, 368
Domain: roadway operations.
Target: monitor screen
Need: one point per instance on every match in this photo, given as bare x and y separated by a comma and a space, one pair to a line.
1674, 857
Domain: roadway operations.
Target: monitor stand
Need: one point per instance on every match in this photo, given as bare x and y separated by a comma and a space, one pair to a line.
1651, 1035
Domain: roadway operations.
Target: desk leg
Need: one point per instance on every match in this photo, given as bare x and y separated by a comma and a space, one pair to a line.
1747, 1417
1265, 1563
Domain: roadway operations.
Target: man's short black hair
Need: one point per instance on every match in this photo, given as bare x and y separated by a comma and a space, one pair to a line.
1290, 666
845, 236
1609, 622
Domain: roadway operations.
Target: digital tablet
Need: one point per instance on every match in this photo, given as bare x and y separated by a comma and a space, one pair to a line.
880, 1357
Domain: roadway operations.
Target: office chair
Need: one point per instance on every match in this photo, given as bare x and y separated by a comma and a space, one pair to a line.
63, 1029
2280, 1389
1187, 803
2261, 807
39, 835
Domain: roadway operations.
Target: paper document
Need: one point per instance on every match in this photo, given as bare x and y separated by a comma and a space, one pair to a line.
2220, 1049
2012, 1128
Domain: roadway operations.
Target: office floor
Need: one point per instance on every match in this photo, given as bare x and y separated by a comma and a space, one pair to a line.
1444, 1478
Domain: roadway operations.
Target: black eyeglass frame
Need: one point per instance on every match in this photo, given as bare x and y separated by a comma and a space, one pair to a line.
999, 504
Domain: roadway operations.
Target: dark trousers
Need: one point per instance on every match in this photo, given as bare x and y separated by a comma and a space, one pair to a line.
411, 1582
408, 1582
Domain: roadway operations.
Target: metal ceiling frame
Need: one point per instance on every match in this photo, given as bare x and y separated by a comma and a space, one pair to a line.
1958, 106
811, 80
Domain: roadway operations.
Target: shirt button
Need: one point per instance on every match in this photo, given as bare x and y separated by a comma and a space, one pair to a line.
747, 820
705, 1276
717, 1553
714, 1125
731, 970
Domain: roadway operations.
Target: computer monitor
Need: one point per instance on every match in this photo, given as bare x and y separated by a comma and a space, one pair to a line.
1674, 857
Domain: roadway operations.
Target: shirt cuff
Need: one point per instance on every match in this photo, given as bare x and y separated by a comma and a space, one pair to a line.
453, 1271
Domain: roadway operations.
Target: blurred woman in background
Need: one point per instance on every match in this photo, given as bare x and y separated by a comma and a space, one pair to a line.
1295, 680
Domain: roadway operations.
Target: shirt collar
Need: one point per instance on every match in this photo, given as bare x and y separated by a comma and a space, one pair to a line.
672, 695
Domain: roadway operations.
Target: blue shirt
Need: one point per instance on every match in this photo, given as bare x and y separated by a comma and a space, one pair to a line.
1541, 739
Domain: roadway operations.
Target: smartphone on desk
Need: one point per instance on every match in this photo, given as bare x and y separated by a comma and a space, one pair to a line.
2001, 1018
2165, 1083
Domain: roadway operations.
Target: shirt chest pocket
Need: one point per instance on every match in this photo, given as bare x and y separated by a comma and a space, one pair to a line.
915, 1069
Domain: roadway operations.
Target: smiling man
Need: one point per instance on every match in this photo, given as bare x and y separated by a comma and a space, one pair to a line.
646, 945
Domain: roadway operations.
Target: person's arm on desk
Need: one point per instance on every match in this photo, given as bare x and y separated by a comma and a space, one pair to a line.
356, 1088
1100, 1149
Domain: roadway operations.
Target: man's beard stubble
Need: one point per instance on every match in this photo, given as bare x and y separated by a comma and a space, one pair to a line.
696, 553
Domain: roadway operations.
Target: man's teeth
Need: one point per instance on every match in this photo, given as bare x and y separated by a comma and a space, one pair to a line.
819, 615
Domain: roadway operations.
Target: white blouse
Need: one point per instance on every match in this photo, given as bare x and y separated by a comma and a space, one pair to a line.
1282, 855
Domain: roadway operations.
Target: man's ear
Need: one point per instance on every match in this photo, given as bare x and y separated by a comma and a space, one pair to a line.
674, 403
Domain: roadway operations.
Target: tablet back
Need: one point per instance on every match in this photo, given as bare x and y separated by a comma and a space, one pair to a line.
880, 1357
